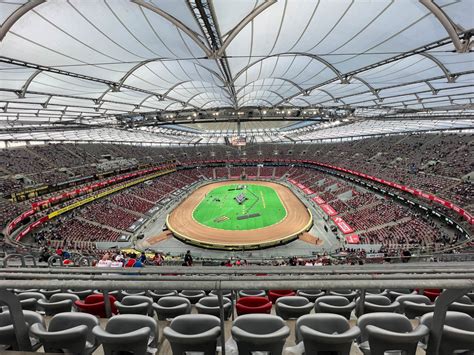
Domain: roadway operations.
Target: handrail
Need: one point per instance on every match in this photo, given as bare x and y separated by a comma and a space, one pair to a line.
263, 283
53, 258
14, 256
87, 259
423, 268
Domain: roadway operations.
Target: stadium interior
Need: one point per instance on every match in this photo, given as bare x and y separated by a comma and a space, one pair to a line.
236, 177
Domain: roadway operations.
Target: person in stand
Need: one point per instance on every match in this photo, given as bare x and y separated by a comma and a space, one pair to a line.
188, 259
143, 257
105, 261
158, 259
131, 260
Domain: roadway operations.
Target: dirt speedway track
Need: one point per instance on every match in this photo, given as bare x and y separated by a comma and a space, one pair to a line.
298, 219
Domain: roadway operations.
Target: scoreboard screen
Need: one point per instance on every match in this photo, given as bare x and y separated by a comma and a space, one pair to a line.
238, 141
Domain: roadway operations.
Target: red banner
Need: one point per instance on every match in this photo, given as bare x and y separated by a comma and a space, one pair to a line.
328, 209
342, 225
318, 200
352, 239
18, 219
32, 226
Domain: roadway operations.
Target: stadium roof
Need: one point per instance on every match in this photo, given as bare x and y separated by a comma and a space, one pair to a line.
133, 65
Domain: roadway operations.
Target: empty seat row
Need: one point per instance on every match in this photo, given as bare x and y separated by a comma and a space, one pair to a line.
374, 333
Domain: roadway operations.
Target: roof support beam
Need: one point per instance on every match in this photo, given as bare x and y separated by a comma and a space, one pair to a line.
268, 102
111, 84
373, 90
341, 78
461, 45
449, 77
335, 99
283, 79
16, 15
27, 83
272, 91
208, 102
141, 64
418, 50
241, 25
433, 90
193, 35
206, 18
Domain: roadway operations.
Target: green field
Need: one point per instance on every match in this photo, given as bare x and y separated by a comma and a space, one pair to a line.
220, 210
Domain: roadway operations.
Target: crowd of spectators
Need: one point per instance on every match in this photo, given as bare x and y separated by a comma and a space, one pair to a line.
436, 163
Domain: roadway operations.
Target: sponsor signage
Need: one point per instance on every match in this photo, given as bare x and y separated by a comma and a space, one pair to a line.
352, 239
342, 225
318, 200
328, 210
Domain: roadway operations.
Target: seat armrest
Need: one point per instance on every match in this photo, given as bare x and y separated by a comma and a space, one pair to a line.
281, 333
327, 338
203, 337
123, 338
414, 336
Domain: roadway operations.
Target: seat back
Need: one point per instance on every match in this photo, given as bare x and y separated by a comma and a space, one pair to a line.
63, 296
389, 321
7, 332
295, 301
68, 320
332, 300
191, 324
125, 323
133, 300
323, 322
258, 323
70, 332
172, 301
193, 333
257, 332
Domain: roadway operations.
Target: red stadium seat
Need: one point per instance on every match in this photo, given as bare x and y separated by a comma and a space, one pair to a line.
273, 295
94, 304
432, 293
248, 305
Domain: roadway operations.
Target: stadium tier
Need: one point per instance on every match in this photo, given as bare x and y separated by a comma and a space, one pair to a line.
236, 177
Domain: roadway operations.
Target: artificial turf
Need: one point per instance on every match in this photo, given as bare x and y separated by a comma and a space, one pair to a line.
220, 210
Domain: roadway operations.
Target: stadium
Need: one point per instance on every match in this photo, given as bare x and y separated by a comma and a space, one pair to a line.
236, 177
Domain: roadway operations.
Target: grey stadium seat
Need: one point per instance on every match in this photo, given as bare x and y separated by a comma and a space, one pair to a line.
256, 293
311, 295
334, 304
322, 332
293, 307
58, 303
69, 332
157, 294
210, 305
377, 303
49, 293
383, 331
7, 332
414, 306
349, 294
135, 305
193, 333
29, 300
82, 294
128, 332
260, 332
171, 307
192, 295
458, 332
